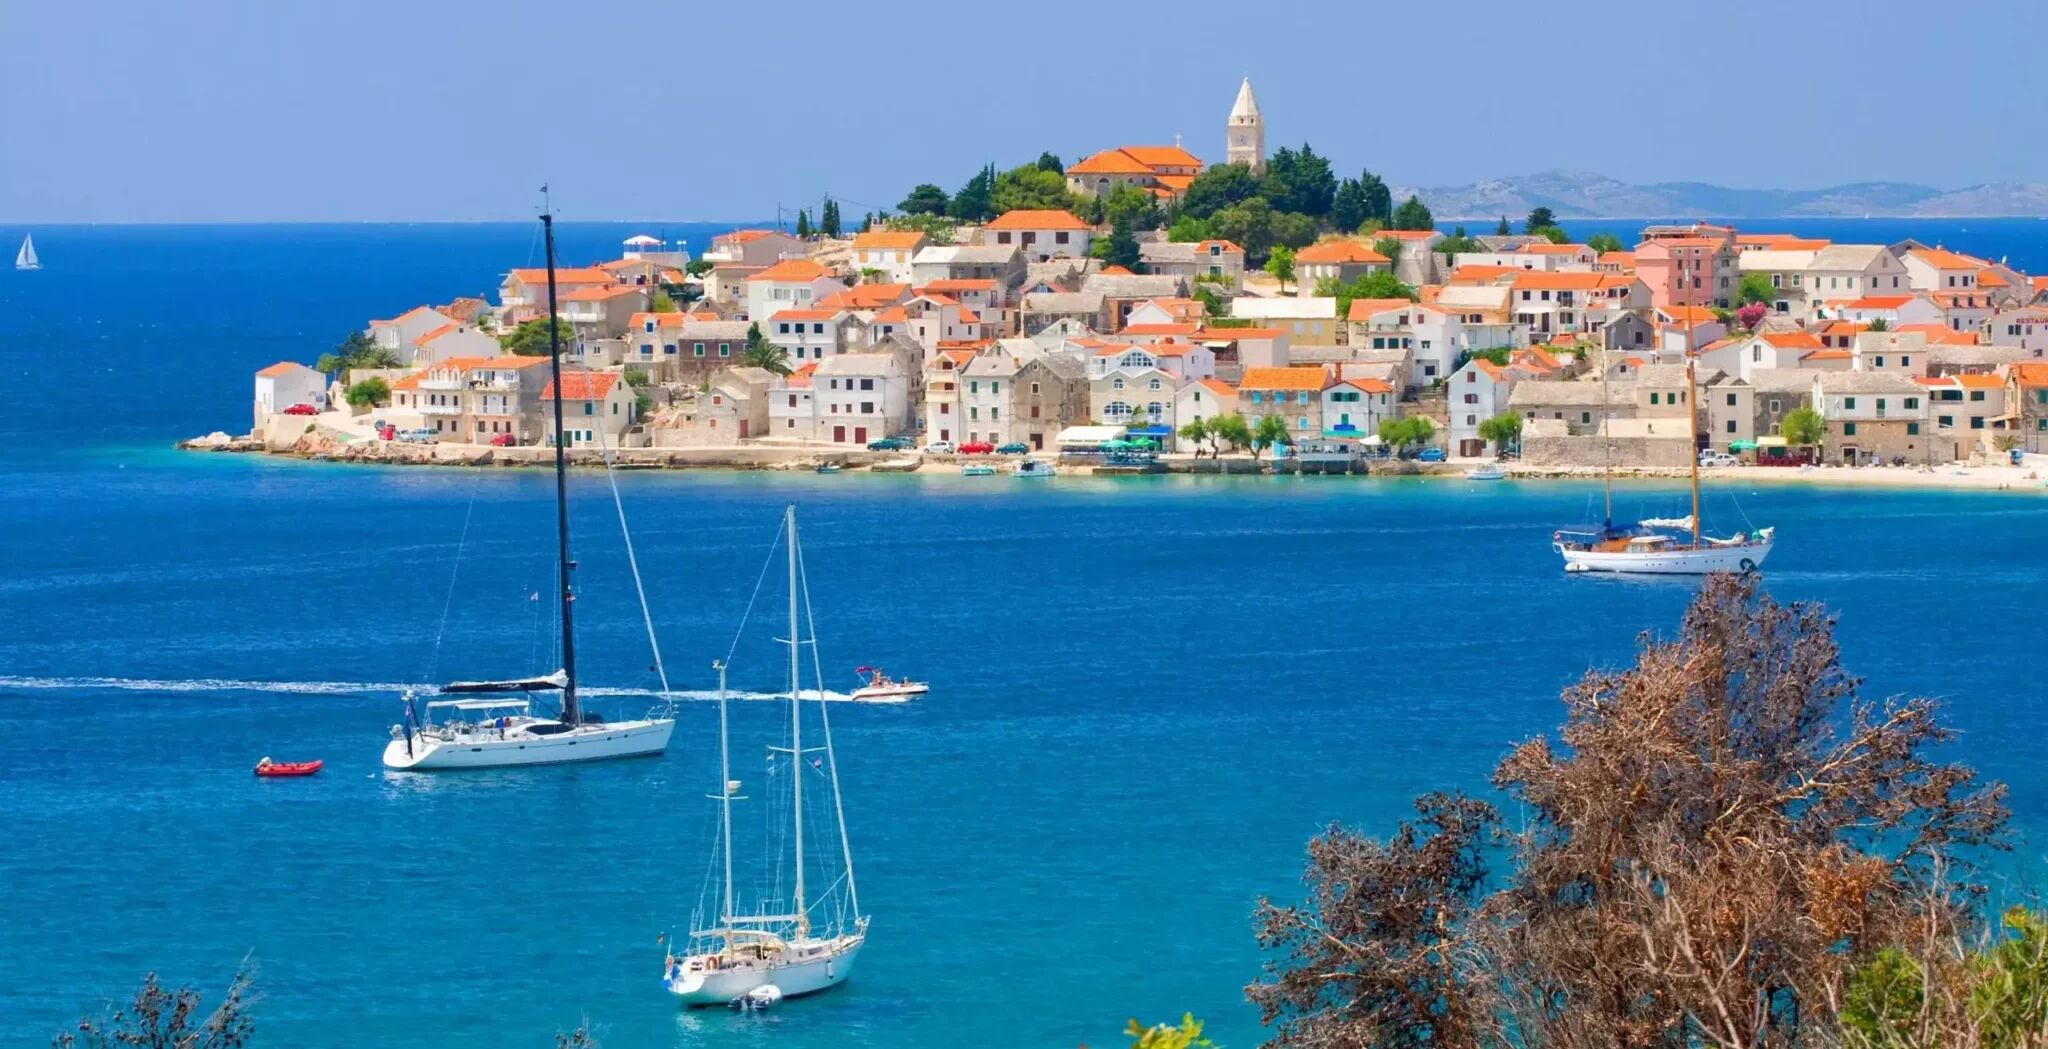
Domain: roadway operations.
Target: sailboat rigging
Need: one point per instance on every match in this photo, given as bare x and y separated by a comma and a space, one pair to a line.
750, 960
494, 733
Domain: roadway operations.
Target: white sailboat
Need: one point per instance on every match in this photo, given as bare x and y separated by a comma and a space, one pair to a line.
25, 259
791, 946
1648, 547
499, 730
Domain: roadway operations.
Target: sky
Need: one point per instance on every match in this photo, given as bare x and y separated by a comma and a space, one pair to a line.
367, 110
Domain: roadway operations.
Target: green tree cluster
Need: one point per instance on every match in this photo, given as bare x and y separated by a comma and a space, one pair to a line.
1298, 182
1398, 434
828, 219
356, 351
1503, 431
1030, 187
1412, 215
530, 338
369, 393
1120, 248
1271, 432
803, 224
975, 201
925, 199
1605, 242
1380, 285
1458, 243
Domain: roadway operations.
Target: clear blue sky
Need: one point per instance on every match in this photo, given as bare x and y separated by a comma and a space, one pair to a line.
138, 110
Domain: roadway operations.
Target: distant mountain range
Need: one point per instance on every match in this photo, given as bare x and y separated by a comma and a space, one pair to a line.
1579, 194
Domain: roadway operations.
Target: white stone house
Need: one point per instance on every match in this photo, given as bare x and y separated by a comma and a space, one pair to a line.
860, 397
287, 383
597, 409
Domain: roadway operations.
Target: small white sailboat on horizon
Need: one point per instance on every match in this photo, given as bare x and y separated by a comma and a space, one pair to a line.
25, 259
784, 947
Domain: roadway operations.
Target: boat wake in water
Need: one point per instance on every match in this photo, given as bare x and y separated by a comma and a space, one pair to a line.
335, 688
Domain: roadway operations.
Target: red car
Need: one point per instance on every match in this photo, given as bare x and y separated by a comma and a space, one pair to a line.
977, 448
302, 408
385, 433
503, 440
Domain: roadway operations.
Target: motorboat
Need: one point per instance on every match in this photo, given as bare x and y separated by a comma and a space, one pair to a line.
1486, 472
269, 769
878, 687
977, 470
1034, 468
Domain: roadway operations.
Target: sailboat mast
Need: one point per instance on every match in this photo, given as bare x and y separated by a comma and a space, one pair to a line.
725, 805
1607, 448
1692, 435
572, 714
796, 742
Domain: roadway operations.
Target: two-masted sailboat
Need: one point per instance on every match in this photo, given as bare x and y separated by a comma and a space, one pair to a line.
493, 724
1650, 547
783, 946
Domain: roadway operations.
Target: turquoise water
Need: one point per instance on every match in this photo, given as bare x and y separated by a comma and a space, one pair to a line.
1148, 693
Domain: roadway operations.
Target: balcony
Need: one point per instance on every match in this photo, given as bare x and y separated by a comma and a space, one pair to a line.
440, 409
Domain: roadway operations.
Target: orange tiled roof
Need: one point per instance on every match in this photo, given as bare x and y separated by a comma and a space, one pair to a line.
1792, 340
281, 368
1990, 278
958, 284
661, 320
1338, 252
583, 386
743, 236
1367, 385
888, 238
1176, 183
1183, 328
804, 315
2029, 374
1029, 218
1110, 162
1162, 156
1217, 386
1880, 302
1942, 259
1942, 334
1547, 248
1828, 355
1979, 381
1304, 379
1363, 309
800, 271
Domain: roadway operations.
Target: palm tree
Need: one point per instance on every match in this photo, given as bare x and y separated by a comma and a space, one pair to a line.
760, 353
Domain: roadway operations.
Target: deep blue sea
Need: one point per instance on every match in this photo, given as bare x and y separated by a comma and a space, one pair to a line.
1148, 693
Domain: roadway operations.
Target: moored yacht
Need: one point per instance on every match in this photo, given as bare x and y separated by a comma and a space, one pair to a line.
499, 732
793, 944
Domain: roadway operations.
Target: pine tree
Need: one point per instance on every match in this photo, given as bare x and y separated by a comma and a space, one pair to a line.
828, 223
1503, 230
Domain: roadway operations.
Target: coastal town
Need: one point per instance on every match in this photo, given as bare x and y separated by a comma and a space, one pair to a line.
1141, 306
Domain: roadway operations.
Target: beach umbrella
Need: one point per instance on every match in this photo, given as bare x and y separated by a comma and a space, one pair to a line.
1742, 446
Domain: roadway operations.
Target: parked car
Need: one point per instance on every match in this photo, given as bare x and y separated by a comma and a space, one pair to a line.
386, 431
1712, 458
1431, 455
889, 444
421, 435
1014, 448
301, 408
939, 448
504, 440
977, 448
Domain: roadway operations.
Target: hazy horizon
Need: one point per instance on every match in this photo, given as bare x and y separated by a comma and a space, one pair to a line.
380, 112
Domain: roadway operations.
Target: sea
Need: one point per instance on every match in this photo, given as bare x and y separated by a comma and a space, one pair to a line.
1147, 693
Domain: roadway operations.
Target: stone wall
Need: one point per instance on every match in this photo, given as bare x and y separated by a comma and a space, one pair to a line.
1590, 451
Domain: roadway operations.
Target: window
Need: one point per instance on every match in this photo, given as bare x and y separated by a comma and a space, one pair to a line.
1976, 422
1118, 384
646, 349
589, 408
1905, 361
1034, 389
1301, 398
1911, 402
1059, 237
1849, 402
867, 384
1912, 429
1304, 422
1877, 361
1731, 426
1774, 406
995, 387
698, 348
867, 407
1731, 400
1653, 397
725, 349
649, 328
1976, 395
783, 328
668, 348
1848, 429
817, 329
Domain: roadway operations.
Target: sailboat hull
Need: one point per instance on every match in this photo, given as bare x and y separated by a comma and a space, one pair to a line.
622, 739
1669, 561
829, 968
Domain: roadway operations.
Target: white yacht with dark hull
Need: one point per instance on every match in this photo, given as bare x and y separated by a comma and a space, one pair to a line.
493, 723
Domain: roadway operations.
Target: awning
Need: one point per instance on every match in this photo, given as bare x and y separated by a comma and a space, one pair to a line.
1154, 430
1770, 442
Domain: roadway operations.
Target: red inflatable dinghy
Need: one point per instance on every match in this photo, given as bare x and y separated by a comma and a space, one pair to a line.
267, 767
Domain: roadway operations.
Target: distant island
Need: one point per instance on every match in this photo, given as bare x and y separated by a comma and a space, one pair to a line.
1580, 194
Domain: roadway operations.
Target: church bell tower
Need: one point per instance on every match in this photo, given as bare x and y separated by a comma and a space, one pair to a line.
1246, 132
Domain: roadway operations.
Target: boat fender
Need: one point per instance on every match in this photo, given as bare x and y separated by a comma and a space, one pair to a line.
711, 963
1748, 566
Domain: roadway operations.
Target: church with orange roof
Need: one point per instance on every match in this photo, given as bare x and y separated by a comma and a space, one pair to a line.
1167, 171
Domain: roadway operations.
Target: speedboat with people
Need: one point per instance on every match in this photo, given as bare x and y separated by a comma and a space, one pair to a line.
1486, 472
879, 687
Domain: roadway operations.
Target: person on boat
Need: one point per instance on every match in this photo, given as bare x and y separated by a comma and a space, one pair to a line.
263, 762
